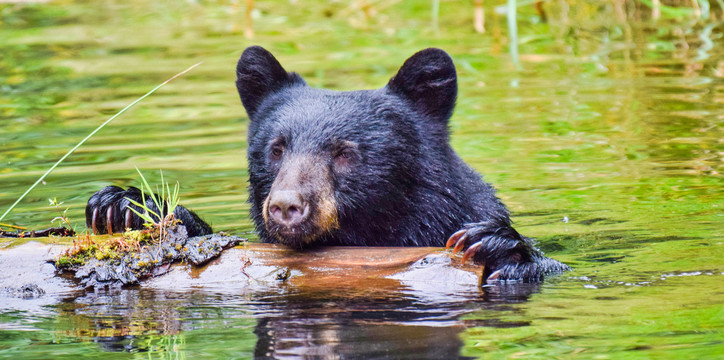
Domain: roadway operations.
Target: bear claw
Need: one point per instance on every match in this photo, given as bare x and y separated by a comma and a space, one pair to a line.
460, 244
459, 238
128, 218
454, 238
94, 221
109, 220
471, 251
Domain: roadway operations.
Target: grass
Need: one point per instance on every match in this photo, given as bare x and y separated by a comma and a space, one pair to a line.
88, 137
165, 203
62, 217
101, 247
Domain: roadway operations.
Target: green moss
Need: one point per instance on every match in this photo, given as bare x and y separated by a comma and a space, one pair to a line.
64, 262
107, 252
103, 247
139, 236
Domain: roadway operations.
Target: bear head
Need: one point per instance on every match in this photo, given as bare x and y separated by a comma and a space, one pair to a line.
339, 167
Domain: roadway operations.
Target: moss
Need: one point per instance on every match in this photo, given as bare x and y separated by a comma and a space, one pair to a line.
64, 262
107, 252
140, 236
104, 247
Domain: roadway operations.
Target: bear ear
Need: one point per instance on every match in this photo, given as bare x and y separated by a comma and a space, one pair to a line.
428, 79
258, 75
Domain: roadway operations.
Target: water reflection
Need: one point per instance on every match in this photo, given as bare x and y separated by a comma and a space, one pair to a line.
298, 324
329, 307
614, 125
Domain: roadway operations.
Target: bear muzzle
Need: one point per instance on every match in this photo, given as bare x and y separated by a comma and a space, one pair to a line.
300, 206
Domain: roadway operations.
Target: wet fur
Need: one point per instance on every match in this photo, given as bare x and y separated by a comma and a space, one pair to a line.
404, 186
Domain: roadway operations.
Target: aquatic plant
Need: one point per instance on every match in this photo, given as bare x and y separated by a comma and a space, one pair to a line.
62, 219
159, 222
165, 203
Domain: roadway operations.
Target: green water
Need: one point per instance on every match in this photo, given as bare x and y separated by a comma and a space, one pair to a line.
607, 146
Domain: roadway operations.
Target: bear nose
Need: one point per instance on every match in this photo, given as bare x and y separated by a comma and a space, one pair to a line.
287, 207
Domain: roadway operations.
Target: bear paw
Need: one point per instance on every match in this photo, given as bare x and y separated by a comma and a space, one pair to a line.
109, 211
504, 254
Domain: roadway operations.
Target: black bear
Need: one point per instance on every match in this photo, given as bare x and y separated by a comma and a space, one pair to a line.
361, 168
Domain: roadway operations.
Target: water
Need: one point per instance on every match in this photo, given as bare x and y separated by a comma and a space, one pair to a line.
607, 147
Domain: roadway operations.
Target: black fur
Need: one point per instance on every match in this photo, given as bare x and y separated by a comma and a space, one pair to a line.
261, 75
116, 198
399, 183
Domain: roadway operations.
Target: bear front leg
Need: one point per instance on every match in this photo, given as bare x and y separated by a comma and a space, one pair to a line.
503, 252
108, 211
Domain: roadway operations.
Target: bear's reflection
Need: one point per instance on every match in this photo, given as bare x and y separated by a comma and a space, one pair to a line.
293, 323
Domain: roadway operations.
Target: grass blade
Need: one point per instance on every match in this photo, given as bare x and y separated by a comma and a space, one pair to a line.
88, 137
145, 216
146, 211
153, 195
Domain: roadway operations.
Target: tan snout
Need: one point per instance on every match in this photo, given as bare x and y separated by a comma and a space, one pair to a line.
301, 205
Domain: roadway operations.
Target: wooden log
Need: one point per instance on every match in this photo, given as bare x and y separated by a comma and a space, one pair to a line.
257, 267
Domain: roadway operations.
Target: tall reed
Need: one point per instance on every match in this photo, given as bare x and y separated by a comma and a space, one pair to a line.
89, 136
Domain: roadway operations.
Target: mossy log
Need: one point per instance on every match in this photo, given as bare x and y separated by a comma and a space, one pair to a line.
243, 267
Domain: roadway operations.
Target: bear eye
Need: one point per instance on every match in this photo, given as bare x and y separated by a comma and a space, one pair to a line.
277, 151
344, 154
344, 157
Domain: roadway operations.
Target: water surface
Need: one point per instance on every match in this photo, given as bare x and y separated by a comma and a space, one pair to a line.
607, 147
